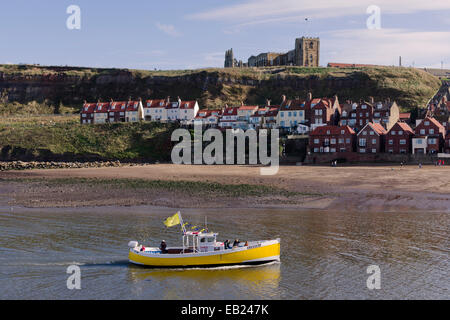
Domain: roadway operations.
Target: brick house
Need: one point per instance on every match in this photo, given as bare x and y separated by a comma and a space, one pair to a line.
432, 132
87, 113
270, 118
447, 143
325, 111
386, 113
398, 139
370, 139
364, 114
117, 111
332, 139
348, 114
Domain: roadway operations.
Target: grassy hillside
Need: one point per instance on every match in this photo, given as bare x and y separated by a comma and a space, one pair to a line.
63, 89
63, 138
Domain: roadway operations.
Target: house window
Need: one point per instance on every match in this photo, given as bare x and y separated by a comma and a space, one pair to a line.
403, 151
374, 141
333, 141
316, 149
84, 115
371, 133
391, 151
347, 140
316, 141
400, 133
419, 141
402, 141
431, 131
362, 142
342, 131
364, 106
328, 131
422, 131
362, 150
341, 140
332, 149
374, 150
427, 123
344, 122
364, 133
391, 141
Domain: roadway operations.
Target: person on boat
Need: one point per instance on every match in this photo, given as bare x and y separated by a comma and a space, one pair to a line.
246, 244
226, 244
163, 247
236, 243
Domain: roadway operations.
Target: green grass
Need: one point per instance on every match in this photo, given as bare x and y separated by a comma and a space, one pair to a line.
41, 136
214, 87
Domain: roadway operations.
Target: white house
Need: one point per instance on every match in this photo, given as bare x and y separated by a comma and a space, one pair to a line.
155, 110
172, 111
188, 110
101, 112
134, 111
289, 117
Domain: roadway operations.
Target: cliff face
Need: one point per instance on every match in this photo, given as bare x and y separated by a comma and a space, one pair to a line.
213, 87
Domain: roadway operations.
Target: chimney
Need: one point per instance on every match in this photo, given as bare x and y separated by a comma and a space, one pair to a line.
179, 101
85, 101
371, 100
283, 99
267, 102
112, 100
309, 96
242, 103
168, 99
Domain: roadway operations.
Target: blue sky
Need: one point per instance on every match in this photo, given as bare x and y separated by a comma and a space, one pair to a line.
185, 34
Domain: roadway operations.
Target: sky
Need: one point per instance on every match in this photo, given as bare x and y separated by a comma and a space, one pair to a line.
191, 34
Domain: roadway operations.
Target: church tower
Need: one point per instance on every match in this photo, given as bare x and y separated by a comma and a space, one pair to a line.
307, 52
229, 59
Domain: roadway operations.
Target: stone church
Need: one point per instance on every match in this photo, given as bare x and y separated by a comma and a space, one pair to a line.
306, 53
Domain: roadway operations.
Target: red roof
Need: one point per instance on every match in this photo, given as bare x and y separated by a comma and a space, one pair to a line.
242, 108
132, 105
404, 126
230, 111
378, 128
117, 106
89, 108
102, 107
348, 65
155, 103
334, 130
405, 115
187, 104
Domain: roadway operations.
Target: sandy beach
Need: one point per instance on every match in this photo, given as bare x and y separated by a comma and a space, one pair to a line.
367, 188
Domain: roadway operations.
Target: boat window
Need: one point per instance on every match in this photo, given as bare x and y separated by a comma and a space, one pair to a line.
202, 239
210, 239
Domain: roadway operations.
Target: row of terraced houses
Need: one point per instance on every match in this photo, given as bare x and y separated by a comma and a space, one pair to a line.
363, 127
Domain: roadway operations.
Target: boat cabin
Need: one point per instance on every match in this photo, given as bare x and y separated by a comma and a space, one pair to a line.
201, 242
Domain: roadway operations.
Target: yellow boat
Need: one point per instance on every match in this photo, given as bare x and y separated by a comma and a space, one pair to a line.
201, 249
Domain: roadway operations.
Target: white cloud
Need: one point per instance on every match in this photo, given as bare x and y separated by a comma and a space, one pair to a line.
385, 46
264, 11
168, 29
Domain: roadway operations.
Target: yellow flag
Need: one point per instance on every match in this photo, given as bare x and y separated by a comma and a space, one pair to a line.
173, 220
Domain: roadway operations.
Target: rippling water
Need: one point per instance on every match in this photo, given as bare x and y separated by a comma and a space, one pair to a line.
324, 255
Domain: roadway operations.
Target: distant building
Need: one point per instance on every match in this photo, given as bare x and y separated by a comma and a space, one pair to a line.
306, 53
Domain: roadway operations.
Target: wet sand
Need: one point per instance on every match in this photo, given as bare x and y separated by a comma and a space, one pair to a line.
367, 188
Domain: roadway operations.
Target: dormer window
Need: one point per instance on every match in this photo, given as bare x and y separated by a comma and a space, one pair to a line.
427, 123
186, 105
364, 106
161, 104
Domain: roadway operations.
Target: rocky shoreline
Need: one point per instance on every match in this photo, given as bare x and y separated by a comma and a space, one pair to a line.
22, 165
